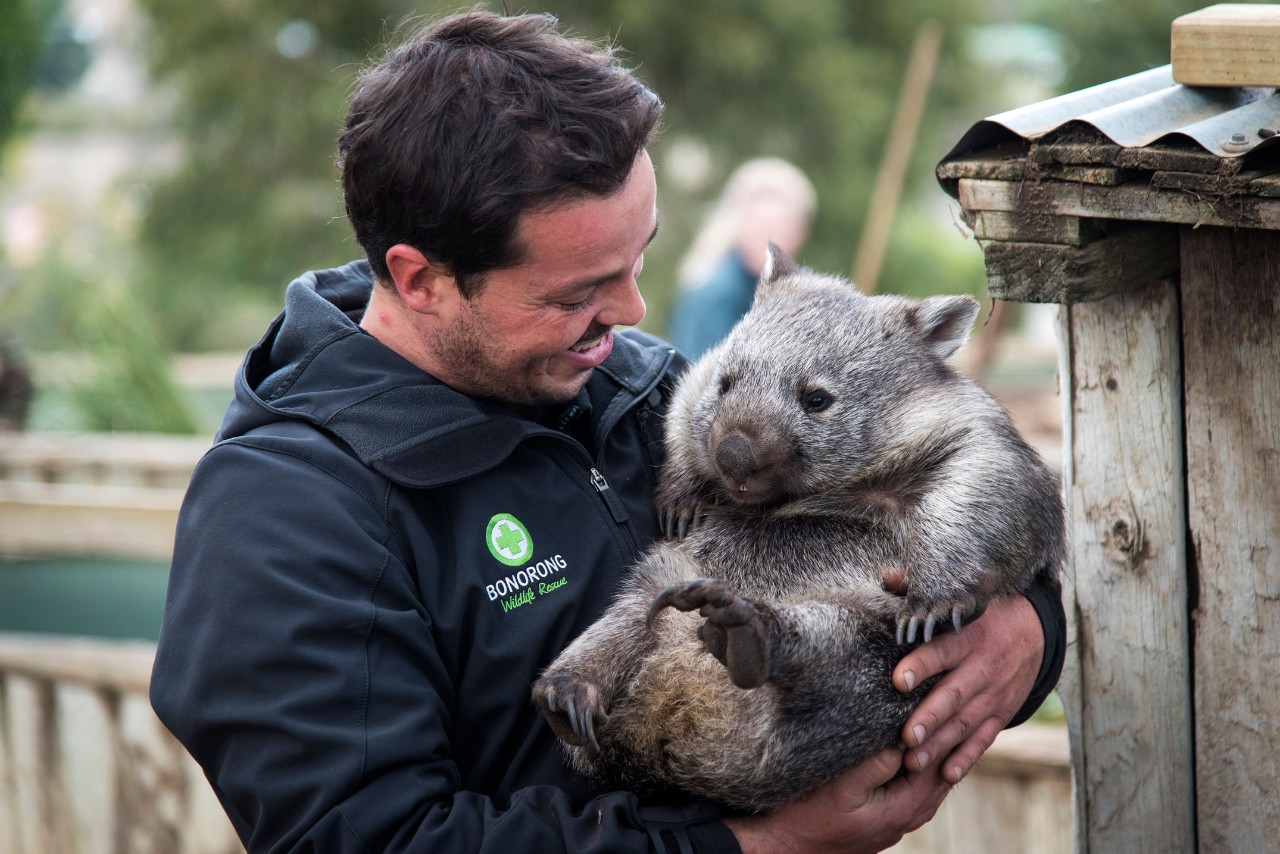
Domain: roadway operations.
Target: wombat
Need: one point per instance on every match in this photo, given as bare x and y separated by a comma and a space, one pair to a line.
834, 487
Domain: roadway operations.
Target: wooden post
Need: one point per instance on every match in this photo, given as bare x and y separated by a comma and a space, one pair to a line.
1231, 341
898, 145
1128, 671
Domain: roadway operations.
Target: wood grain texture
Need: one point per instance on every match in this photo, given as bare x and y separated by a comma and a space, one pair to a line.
1231, 334
1230, 44
1127, 685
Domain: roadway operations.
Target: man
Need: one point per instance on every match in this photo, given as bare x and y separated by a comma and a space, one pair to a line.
438, 466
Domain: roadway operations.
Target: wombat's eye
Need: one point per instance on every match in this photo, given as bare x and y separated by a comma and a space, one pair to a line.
726, 382
816, 401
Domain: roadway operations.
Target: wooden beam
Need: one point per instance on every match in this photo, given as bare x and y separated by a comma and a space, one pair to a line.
82, 519
1126, 683
1231, 346
1044, 272
123, 666
1010, 228
1128, 202
1230, 44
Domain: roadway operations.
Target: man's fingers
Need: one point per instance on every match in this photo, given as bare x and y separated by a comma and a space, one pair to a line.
855, 786
939, 655
957, 765
940, 707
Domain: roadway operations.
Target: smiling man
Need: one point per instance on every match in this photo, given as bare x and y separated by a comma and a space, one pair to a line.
439, 466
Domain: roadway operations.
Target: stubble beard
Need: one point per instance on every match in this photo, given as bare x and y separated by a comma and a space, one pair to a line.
466, 354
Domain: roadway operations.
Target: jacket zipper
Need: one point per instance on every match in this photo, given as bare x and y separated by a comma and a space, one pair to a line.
616, 510
598, 481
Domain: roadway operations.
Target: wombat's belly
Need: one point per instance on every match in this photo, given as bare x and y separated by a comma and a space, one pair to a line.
684, 724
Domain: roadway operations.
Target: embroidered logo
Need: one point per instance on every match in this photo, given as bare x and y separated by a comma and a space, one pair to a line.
508, 540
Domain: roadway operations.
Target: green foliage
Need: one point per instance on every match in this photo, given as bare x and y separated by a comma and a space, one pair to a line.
264, 85
1114, 39
118, 376
24, 23
258, 201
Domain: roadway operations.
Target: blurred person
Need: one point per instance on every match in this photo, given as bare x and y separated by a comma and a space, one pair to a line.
438, 467
765, 200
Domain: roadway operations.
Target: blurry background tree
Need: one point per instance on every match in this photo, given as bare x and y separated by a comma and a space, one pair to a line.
254, 94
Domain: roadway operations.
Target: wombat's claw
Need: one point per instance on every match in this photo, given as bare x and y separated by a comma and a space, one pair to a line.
734, 632
571, 708
678, 524
907, 627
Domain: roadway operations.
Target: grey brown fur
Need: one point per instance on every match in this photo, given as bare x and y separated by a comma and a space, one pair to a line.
836, 487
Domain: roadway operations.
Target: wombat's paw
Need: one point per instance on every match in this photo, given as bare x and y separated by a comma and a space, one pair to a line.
678, 522
930, 615
735, 631
572, 707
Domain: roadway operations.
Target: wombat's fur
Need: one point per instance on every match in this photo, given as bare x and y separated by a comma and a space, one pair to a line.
841, 486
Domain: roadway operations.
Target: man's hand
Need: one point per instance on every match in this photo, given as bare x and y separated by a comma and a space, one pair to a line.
993, 664
866, 809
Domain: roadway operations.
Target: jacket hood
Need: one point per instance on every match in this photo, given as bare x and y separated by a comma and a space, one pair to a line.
316, 365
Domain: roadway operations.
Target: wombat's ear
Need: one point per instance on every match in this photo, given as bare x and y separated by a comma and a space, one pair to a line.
778, 266
945, 322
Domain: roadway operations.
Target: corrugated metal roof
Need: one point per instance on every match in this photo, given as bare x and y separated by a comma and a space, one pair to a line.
1141, 110
1070, 196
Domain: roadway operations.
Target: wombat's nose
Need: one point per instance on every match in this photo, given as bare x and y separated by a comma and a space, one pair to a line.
734, 457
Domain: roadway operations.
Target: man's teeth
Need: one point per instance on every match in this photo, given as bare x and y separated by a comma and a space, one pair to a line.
587, 345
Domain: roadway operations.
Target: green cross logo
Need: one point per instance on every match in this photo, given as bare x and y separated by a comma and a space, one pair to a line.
509, 541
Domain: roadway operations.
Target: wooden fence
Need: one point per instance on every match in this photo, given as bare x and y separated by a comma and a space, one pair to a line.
85, 766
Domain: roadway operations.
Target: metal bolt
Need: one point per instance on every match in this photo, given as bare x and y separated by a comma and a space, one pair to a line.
1239, 138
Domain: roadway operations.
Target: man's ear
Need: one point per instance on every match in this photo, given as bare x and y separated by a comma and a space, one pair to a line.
423, 285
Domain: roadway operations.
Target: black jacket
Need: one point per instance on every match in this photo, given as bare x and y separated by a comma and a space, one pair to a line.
370, 570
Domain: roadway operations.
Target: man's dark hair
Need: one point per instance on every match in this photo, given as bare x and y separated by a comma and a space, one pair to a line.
475, 119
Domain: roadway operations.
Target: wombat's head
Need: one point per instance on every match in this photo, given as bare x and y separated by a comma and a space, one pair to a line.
817, 383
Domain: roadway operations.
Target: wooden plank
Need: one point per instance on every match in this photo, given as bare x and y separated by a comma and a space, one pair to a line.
109, 665
122, 459
1230, 44
1102, 176
1041, 272
78, 519
1128, 671
1195, 182
1010, 228
1153, 157
1102, 152
1231, 341
1129, 202
1267, 186
1016, 800
1001, 163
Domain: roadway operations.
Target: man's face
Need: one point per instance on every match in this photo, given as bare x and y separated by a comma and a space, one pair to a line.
535, 331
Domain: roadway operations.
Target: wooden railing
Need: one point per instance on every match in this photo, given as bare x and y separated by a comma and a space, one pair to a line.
1016, 801
101, 494
85, 766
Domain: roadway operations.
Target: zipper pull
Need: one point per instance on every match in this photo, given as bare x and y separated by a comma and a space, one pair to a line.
616, 510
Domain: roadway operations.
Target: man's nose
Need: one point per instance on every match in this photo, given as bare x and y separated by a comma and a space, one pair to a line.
624, 306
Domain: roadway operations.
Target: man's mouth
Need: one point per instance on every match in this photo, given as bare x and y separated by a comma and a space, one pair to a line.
588, 344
